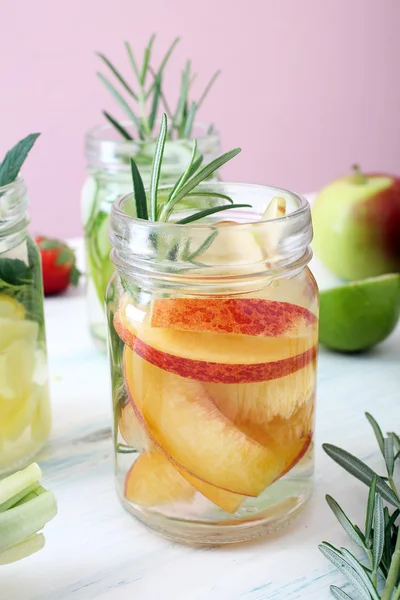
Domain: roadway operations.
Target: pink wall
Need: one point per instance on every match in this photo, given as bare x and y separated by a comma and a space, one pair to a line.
308, 86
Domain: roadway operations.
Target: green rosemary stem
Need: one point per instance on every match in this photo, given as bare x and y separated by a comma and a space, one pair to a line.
394, 570
396, 595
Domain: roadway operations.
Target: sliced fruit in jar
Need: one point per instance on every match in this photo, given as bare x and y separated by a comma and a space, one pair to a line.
19, 418
10, 308
215, 357
212, 370
17, 364
184, 421
260, 402
133, 432
41, 421
14, 330
131, 429
280, 417
153, 481
246, 316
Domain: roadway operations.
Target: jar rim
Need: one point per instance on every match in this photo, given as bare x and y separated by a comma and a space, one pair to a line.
302, 208
105, 150
238, 248
96, 133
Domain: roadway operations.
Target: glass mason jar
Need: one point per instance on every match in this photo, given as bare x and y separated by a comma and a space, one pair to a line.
108, 157
213, 330
25, 416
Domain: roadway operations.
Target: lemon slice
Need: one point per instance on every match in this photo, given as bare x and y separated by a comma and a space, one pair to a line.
360, 314
11, 308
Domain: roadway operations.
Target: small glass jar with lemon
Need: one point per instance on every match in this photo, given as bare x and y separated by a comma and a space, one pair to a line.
25, 415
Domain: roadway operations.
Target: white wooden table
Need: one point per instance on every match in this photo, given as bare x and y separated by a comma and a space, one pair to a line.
95, 550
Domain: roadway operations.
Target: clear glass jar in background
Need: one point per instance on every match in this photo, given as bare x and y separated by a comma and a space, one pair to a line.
109, 176
213, 330
25, 414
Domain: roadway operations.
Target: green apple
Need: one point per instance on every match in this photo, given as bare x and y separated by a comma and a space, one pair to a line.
357, 225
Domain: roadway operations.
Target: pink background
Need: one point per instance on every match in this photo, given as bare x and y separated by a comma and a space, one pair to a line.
308, 86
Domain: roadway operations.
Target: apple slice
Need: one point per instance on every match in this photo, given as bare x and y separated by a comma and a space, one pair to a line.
184, 421
153, 481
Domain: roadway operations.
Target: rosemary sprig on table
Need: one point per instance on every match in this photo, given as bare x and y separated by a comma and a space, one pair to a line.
146, 95
380, 540
184, 187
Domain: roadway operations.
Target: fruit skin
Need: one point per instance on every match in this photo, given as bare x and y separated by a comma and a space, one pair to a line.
357, 226
249, 316
206, 371
58, 265
357, 316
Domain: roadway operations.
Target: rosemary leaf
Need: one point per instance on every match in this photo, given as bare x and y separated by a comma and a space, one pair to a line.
344, 521
206, 172
163, 64
369, 517
379, 532
140, 194
208, 88
146, 59
360, 570
155, 103
169, 206
180, 109
361, 471
396, 439
388, 453
124, 105
187, 130
209, 211
162, 96
339, 594
132, 60
196, 165
118, 75
377, 430
156, 168
212, 194
353, 577
118, 126
204, 246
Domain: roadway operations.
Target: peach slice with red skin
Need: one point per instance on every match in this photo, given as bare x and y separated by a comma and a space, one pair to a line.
194, 434
257, 353
245, 316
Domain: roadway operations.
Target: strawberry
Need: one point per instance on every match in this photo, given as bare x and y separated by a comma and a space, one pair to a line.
58, 265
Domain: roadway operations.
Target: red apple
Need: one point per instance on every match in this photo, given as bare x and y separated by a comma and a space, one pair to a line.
357, 225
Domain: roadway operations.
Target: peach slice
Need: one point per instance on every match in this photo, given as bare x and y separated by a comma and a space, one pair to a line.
187, 425
217, 358
245, 316
153, 481
134, 433
153, 470
260, 402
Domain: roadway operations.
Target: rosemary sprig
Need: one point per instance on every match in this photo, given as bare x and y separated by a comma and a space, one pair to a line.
146, 93
185, 185
380, 541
